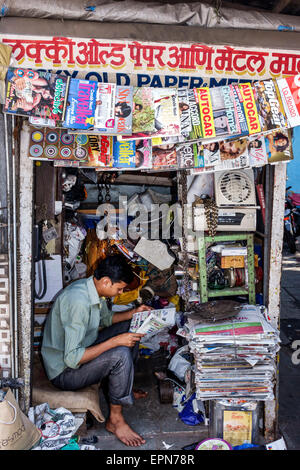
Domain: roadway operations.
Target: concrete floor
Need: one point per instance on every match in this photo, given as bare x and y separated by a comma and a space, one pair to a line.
159, 423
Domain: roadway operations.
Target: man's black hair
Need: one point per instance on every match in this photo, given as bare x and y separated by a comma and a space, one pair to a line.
116, 268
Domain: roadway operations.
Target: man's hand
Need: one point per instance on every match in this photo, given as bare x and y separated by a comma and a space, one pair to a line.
142, 308
126, 339
128, 314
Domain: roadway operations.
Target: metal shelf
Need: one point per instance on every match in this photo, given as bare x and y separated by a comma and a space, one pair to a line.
206, 293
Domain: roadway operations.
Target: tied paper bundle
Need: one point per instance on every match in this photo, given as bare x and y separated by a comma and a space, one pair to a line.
235, 357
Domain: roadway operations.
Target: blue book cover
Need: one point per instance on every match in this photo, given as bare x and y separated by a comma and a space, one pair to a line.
124, 153
132, 154
81, 104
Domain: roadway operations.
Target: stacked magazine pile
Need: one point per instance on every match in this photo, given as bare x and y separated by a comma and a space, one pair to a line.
235, 358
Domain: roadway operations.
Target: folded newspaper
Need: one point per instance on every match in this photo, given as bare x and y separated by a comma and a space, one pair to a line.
235, 358
150, 322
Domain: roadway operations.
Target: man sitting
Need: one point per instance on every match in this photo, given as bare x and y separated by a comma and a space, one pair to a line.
84, 342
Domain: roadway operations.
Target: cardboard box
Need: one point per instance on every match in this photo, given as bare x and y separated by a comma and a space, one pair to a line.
232, 262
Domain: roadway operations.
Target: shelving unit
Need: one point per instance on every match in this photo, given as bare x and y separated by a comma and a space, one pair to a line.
206, 293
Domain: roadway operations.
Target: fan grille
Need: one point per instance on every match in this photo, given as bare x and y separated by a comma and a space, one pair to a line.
235, 187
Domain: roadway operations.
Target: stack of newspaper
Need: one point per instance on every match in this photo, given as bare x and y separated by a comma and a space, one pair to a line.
234, 358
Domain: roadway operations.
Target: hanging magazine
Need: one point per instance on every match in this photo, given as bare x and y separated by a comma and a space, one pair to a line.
279, 146
290, 91
269, 106
222, 111
233, 154
239, 110
81, 104
164, 157
35, 93
166, 115
105, 106
250, 108
257, 150
143, 110
188, 154
132, 154
206, 114
100, 151
196, 132
185, 114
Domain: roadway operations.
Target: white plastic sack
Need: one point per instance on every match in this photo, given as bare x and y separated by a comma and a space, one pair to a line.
179, 365
56, 426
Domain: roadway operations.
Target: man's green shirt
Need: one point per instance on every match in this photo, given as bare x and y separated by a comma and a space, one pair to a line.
73, 325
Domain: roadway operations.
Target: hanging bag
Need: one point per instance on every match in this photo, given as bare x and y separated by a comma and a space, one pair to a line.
17, 432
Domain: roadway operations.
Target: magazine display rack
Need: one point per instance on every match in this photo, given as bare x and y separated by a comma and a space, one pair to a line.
205, 292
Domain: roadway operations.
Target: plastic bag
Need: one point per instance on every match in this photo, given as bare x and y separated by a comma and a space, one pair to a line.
179, 365
56, 426
188, 415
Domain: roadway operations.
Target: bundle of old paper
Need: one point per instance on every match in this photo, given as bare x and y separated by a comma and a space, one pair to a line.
234, 358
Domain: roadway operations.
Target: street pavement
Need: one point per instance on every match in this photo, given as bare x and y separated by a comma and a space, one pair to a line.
289, 362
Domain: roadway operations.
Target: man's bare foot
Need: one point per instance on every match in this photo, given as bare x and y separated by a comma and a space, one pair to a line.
123, 432
138, 393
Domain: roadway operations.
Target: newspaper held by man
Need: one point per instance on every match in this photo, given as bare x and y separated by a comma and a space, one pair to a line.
152, 321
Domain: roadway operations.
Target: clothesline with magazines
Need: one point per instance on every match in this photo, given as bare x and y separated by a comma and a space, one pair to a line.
84, 123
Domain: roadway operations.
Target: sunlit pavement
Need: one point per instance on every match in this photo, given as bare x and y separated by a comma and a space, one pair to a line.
289, 363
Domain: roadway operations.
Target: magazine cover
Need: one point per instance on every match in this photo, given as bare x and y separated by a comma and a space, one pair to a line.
166, 116
223, 111
81, 104
211, 153
187, 154
185, 115
269, 106
289, 89
42, 122
57, 144
199, 158
239, 111
250, 108
279, 146
228, 99
164, 156
123, 110
35, 93
132, 154
105, 106
143, 110
196, 132
208, 119
257, 150
233, 154
100, 151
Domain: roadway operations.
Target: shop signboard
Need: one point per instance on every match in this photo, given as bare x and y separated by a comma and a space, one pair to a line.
157, 64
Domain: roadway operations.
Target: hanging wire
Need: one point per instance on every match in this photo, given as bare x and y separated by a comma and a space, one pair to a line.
217, 10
